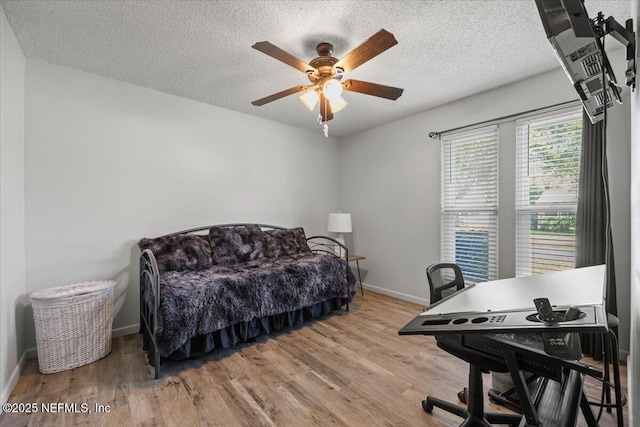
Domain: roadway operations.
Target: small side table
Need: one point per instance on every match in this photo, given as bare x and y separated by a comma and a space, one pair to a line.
357, 258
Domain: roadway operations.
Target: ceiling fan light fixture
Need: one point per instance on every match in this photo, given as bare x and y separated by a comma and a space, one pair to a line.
337, 103
309, 99
332, 89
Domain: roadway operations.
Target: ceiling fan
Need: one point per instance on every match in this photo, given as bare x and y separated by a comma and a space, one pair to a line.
326, 72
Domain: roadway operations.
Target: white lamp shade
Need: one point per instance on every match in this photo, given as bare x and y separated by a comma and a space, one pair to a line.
310, 99
337, 104
339, 223
332, 89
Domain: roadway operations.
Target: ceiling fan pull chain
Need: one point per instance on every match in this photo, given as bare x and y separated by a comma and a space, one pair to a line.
324, 126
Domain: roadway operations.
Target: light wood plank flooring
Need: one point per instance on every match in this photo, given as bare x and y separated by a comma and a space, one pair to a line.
349, 369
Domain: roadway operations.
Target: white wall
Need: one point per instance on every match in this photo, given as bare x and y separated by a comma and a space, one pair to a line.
391, 187
108, 163
633, 364
12, 252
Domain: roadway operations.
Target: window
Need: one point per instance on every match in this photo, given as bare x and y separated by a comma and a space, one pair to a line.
469, 202
547, 173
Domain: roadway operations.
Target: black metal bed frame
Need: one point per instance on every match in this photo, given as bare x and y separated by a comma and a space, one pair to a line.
150, 277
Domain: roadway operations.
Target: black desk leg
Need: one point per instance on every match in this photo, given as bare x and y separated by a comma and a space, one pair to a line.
520, 384
359, 278
586, 411
611, 341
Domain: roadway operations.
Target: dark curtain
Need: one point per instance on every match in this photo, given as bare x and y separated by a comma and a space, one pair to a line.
593, 232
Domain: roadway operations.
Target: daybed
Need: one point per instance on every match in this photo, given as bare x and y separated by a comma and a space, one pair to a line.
199, 292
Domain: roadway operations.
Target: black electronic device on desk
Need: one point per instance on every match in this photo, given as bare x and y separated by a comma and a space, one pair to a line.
497, 326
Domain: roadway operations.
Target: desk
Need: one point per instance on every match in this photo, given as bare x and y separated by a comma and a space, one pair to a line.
506, 307
357, 258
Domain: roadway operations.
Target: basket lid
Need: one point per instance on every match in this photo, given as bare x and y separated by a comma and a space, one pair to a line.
72, 290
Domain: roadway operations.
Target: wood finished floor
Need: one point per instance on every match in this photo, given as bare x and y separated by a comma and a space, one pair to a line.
350, 369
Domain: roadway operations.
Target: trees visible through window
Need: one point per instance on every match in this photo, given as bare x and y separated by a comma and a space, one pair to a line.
547, 174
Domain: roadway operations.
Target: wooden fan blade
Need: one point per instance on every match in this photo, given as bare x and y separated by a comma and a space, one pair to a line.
281, 55
325, 108
279, 95
374, 89
370, 48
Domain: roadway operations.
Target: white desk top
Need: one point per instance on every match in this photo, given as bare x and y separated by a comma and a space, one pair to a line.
581, 286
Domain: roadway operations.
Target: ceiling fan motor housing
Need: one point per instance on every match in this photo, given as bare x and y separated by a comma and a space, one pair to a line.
324, 49
324, 64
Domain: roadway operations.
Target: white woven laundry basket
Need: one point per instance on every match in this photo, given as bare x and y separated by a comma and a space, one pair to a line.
73, 324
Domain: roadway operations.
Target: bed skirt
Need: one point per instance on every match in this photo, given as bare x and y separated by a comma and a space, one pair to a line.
244, 331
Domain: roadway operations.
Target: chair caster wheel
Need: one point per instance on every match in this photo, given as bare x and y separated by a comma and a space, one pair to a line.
428, 407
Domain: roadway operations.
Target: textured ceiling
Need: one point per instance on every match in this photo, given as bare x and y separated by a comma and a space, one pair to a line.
201, 50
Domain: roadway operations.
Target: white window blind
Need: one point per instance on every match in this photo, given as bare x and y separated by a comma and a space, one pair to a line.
547, 174
469, 202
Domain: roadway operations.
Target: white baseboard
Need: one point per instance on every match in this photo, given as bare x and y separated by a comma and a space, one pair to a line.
623, 355
125, 330
31, 353
13, 379
399, 295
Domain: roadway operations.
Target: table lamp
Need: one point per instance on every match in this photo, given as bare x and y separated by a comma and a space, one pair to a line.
339, 223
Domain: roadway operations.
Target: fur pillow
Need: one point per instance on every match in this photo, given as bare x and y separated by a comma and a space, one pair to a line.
280, 243
236, 245
181, 252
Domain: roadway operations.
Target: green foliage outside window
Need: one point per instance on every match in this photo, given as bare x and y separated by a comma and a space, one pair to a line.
554, 158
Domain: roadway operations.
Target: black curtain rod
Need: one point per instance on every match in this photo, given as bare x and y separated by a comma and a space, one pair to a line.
437, 135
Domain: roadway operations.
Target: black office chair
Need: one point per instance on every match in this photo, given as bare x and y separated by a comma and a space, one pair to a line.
437, 275
474, 414
441, 285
